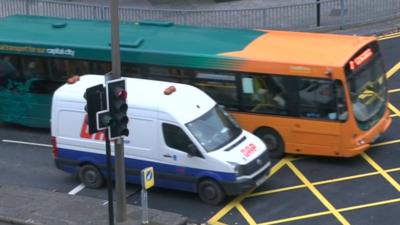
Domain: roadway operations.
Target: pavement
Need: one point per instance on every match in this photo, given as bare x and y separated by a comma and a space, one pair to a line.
29, 206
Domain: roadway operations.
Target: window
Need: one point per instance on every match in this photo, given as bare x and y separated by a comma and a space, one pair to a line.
176, 138
8, 70
317, 98
268, 94
214, 129
219, 86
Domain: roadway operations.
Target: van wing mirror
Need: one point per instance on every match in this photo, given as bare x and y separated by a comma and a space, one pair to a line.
192, 150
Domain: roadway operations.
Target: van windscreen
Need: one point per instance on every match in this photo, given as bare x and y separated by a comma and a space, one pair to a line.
214, 129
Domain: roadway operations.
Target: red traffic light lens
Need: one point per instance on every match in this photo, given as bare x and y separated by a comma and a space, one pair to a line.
121, 93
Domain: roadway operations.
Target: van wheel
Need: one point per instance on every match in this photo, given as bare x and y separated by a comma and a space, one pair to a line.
273, 141
90, 176
210, 192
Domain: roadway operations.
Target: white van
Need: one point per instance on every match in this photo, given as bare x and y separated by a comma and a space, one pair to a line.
191, 142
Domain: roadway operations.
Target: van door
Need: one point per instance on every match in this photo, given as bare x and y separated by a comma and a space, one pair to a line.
182, 155
141, 149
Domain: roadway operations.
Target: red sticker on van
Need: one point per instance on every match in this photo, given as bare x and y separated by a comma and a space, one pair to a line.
248, 150
85, 131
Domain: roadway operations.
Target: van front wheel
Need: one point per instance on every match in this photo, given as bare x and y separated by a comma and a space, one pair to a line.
90, 176
210, 192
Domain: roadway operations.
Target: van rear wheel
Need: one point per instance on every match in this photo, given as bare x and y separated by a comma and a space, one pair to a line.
210, 192
90, 176
273, 141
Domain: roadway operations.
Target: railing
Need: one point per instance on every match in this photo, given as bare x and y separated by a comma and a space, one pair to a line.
306, 16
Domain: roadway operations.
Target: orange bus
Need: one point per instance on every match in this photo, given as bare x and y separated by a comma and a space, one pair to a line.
321, 94
303, 93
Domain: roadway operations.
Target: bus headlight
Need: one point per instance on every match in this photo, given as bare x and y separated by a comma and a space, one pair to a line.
361, 141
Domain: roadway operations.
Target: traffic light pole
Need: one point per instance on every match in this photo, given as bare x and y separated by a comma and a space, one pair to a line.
109, 179
120, 188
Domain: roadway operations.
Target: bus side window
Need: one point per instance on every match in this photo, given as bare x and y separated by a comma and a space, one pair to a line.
7, 71
219, 86
317, 99
265, 94
34, 67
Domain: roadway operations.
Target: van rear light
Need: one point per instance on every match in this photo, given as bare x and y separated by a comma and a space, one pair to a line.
54, 146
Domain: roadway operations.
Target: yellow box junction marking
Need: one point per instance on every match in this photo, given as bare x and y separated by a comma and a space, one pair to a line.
307, 216
393, 70
321, 198
394, 90
381, 171
385, 143
394, 109
235, 202
389, 36
246, 214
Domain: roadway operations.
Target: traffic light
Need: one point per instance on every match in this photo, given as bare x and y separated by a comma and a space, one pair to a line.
95, 101
117, 94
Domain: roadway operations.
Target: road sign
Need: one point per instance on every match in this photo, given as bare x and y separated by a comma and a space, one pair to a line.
147, 178
147, 175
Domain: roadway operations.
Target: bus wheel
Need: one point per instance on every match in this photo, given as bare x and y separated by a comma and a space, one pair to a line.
273, 141
210, 192
90, 176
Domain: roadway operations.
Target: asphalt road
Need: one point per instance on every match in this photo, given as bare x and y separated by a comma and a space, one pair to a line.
289, 196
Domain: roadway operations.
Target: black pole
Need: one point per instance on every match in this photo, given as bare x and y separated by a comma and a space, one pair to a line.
109, 179
318, 13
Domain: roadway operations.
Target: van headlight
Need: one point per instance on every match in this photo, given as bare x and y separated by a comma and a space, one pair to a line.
237, 168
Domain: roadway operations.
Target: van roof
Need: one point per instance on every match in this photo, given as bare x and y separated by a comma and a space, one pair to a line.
184, 105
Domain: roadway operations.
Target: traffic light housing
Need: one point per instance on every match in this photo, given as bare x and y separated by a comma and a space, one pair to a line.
117, 95
95, 101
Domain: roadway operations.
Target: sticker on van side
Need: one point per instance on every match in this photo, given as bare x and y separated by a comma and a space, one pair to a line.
85, 131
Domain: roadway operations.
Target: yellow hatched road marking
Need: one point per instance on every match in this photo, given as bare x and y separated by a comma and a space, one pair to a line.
393, 70
288, 161
238, 199
393, 115
388, 36
330, 181
394, 90
394, 109
321, 198
277, 190
386, 143
345, 178
393, 170
219, 223
369, 205
290, 219
381, 171
245, 214
312, 215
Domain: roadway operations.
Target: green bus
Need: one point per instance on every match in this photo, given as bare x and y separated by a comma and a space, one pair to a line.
38, 54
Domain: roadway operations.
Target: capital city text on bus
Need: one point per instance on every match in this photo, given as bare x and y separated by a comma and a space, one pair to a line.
304, 93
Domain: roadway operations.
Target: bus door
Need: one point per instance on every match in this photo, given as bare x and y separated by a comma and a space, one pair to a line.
321, 110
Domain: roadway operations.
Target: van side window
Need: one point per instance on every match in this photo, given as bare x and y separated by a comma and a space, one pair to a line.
175, 137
